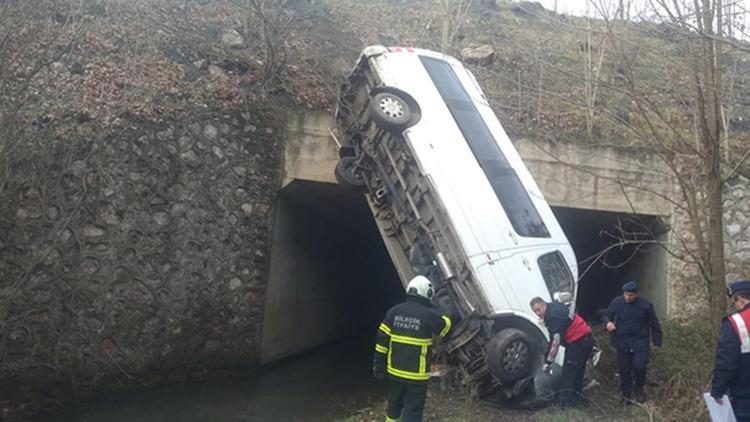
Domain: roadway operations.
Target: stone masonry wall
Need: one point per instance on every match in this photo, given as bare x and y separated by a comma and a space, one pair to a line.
737, 228
688, 297
135, 259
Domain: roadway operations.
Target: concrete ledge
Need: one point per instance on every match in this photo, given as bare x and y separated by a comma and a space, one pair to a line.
574, 176
310, 152
599, 178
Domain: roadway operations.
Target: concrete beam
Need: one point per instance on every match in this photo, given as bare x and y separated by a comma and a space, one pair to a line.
599, 178
574, 176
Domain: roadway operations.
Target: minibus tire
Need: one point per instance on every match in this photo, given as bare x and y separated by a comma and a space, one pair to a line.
347, 175
390, 112
510, 355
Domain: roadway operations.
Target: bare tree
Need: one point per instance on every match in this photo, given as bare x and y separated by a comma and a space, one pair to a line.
453, 13
661, 81
701, 193
274, 21
593, 59
682, 116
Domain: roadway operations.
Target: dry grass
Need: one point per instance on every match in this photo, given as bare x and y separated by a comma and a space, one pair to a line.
679, 373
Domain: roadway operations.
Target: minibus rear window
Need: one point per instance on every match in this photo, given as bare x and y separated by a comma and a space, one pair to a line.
508, 188
555, 272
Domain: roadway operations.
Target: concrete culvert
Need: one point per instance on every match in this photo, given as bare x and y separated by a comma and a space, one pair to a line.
605, 264
330, 275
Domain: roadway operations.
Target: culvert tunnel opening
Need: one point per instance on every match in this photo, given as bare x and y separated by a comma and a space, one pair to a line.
613, 248
331, 277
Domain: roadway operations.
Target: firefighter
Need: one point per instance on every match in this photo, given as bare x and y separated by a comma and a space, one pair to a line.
567, 329
631, 320
402, 350
732, 363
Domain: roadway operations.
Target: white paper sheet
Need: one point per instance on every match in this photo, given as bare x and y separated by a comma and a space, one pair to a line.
719, 412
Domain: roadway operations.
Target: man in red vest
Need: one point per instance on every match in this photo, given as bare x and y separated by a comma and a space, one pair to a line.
568, 329
732, 363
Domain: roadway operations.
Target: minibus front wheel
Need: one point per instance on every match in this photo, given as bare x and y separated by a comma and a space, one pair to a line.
510, 355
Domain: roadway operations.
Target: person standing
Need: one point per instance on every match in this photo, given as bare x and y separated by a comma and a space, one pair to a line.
631, 321
732, 363
402, 350
571, 331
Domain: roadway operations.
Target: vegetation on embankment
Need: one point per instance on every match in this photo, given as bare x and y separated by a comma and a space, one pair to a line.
679, 374
539, 82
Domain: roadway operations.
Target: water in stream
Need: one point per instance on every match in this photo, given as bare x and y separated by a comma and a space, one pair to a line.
328, 384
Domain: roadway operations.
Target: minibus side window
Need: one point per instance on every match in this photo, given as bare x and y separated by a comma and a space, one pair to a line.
508, 188
555, 272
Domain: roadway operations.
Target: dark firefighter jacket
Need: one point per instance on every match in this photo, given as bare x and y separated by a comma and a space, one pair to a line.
634, 322
732, 367
402, 345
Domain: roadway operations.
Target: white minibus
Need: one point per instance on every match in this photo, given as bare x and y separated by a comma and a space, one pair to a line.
453, 201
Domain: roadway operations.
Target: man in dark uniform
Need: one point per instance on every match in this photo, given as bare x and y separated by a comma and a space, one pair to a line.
631, 320
571, 331
402, 350
732, 363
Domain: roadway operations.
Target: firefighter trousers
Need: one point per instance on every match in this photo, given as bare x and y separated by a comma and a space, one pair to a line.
405, 401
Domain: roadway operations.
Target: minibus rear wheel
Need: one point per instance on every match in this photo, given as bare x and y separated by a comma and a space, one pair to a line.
347, 175
390, 111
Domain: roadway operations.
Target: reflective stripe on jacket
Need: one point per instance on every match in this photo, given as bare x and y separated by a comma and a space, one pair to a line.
732, 365
741, 324
405, 336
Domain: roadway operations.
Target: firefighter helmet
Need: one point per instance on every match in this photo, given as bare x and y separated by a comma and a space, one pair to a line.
420, 286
